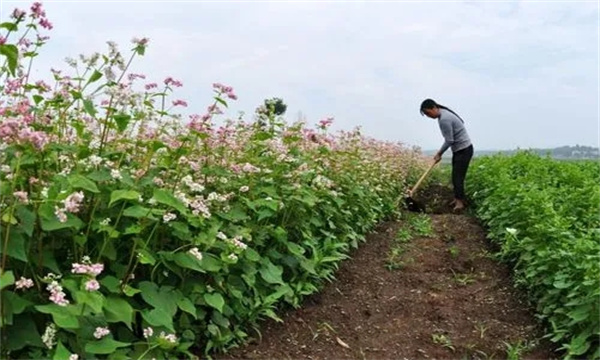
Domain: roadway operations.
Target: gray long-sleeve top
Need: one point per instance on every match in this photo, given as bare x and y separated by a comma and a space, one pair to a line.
454, 132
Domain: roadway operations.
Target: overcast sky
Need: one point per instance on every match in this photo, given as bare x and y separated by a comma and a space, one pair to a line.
521, 73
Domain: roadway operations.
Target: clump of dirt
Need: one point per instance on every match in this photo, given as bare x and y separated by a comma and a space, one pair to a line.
436, 198
445, 298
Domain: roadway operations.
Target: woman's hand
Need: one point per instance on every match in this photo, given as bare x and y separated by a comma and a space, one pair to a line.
437, 158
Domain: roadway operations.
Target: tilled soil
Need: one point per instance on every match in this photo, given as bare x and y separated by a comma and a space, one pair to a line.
446, 298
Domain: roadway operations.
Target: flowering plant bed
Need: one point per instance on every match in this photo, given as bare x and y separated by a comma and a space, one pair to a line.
129, 232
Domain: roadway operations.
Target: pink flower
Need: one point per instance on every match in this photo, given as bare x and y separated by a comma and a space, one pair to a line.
326, 122
151, 86
96, 269
73, 201
46, 24
132, 76
140, 42
214, 109
60, 214
87, 268
37, 10
21, 196
57, 296
180, 103
101, 332
92, 285
171, 81
2, 40
23, 283
18, 13
223, 89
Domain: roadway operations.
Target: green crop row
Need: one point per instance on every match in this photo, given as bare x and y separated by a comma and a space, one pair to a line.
544, 215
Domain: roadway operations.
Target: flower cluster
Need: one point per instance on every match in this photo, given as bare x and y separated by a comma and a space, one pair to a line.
89, 269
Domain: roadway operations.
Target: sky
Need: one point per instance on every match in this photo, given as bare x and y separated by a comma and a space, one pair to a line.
520, 73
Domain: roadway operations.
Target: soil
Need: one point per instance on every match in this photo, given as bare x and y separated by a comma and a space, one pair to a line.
446, 298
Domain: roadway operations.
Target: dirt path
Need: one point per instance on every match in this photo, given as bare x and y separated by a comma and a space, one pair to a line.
437, 295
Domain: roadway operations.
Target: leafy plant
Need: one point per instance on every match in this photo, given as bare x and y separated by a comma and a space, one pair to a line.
544, 215
127, 232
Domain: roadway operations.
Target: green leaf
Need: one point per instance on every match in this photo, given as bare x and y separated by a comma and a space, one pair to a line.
51, 224
188, 261
37, 99
27, 218
50, 221
220, 101
61, 352
215, 300
117, 195
580, 313
16, 246
17, 303
95, 77
146, 257
104, 346
23, 333
6, 279
100, 175
137, 211
93, 299
81, 182
89, 108
164, 298
111, 283
9, 218
186, 305
122, 121
158, 317
118, 310
579, 344
271, 273
281, 291
60, 314
166, 198
12, 55
9, 26
130, 291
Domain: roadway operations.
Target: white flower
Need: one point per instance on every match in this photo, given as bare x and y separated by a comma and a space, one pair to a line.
196, 253
74, 357
148, 332
221, 236
244, 188
105, 222
23, 283
168, 217
116, 174
49, 336
170, 337
101, 332
511, 231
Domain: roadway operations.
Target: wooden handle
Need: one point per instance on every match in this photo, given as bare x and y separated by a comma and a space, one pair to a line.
422, 178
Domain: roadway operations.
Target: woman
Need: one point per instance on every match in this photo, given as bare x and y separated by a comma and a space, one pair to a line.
456, 138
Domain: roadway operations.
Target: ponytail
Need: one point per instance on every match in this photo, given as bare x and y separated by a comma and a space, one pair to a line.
430, 104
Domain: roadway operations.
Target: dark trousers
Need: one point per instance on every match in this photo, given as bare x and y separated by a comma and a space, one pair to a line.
460, 165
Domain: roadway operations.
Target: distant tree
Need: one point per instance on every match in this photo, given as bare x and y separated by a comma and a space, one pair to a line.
276, 105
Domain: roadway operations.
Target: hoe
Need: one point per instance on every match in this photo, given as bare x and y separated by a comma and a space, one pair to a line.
411, 203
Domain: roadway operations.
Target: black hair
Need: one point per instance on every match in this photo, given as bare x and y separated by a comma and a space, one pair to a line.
430, 104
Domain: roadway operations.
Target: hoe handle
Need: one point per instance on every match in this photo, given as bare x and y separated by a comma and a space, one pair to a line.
422, 178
